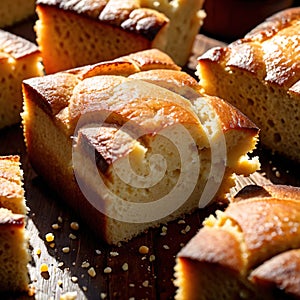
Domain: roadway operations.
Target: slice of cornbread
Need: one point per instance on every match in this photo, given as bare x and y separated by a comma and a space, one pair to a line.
19, 59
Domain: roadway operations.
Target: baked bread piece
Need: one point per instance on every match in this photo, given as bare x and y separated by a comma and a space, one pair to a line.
249, 251
14, 11
131, 143
260, 75
14, 252
19, 59
77, 33
11, 185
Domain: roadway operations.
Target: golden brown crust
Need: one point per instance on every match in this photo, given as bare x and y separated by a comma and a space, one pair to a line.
53, 92
9, 219
263, 53
282, 272
263, 225
214, 246
15, 46
268, 191
126, 14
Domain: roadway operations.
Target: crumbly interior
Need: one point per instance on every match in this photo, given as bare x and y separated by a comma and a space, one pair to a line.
14, 243
186, 20
68, 29
12, 72
68, 39
147, 162
14, 254
271, 108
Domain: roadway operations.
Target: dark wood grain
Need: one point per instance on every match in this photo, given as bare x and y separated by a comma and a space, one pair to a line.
145, 278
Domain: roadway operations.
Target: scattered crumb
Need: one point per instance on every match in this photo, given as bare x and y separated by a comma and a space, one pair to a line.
181, 221
85, 264
131, 298
84, 288
131, 285
66, 249
164, 230
92, 272
107, 270
60, 264
125, 267
72, 236
74, 278
55, 226
74, 225
144, 250
49, 237
38, 251
52, 245
145, 283
277, 174
98, 251
103, 295
44, 268
166, 247
114, 253
186, 229
152, 257
59, 219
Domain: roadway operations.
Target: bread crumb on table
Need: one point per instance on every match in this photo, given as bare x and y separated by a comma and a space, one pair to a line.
49, 237
92, 272
144, 250
107, 270
74, 225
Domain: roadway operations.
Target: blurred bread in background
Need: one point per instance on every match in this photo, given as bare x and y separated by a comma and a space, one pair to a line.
14, 11
232, 19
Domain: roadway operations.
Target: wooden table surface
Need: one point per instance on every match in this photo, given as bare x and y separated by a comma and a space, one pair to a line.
149, 276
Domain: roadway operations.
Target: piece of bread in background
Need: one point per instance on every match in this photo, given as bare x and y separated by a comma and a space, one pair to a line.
14, 11
14, 251
232, 19
19, 60
249, 251
77, 33
126, 135
260, 75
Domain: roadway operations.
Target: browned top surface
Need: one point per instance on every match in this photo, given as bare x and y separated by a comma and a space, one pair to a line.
145, 278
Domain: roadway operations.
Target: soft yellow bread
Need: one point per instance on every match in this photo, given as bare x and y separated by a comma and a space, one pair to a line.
19, 59
14, 252
11, 185
131, 143
76, 33
249, 251
14, 11
260, 75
